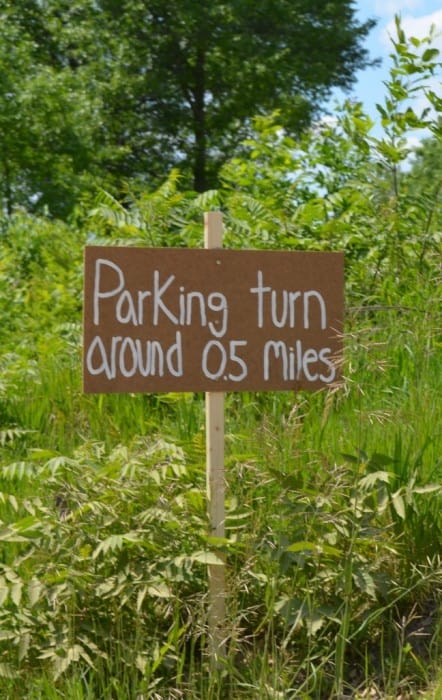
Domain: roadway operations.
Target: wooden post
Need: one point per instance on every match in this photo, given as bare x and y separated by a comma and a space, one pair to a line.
213, 234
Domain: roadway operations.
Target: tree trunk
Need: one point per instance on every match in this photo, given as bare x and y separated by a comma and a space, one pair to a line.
199, 125
8, 201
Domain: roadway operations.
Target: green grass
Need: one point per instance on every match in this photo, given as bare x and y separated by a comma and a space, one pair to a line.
333, 527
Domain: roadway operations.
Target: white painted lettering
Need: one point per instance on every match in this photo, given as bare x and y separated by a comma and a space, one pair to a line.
217, 302
279, 349
319, 297
324, 356
97, 346
282, 309
309, 357
158, 303
260, 290
98, 292
125, 299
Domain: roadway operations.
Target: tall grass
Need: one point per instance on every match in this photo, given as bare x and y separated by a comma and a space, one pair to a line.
333, 532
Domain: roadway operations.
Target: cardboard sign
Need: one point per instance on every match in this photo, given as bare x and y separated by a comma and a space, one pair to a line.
158, 320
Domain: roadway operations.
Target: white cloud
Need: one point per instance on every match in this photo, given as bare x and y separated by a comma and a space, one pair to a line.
388, 8
413, 142
418, 27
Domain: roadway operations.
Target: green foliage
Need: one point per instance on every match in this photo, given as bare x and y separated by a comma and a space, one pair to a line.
102, 533
48, 123
333, 508
41, 268
109, 92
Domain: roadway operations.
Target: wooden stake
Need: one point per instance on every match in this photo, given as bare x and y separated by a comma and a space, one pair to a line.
213, 235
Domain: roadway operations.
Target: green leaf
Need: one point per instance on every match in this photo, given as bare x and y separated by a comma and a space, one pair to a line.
35, 590
23, 646
37, 454
205, 558
398, 504
378, 459
16, 591
314, 548
116, 542
218, 541
160, 590
6, 671
140, 597
366, 482
313, 622
360, 458
302, 546
18, 470
30, 522
429, 54
8, 535
142, 663
365, 582
4, 590
429, 488
6, 634
110, 544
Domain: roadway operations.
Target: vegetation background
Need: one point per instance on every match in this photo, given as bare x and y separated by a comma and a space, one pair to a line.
334, 525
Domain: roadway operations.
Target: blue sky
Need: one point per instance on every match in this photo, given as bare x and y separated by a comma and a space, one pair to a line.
417, 17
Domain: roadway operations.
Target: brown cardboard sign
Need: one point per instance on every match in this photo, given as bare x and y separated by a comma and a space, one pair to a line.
171, 319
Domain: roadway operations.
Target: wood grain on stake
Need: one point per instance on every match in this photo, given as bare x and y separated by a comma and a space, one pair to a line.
213, 235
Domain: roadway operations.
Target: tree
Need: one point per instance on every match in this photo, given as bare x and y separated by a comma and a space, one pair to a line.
140, 86
47, 125
424, 182
196, 73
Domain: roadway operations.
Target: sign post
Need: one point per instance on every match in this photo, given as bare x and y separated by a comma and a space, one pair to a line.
213, 234
212, 320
